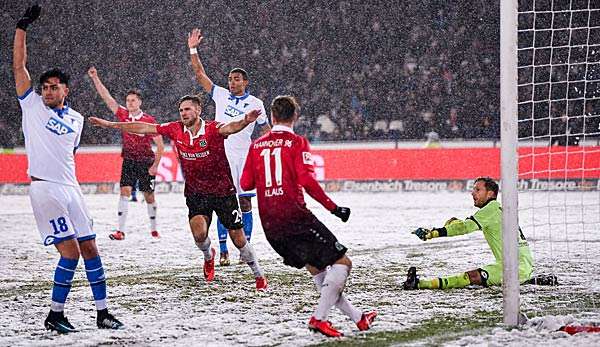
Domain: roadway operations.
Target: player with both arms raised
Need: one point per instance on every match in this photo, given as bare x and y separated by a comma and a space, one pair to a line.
208, 183
279, 165
52, 133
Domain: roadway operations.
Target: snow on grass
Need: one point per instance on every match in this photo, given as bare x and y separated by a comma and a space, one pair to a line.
156, 286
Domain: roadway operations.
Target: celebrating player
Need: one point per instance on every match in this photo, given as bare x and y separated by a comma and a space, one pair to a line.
139, 162
208, 183
279, 165
52, 132
231, 105
487, 219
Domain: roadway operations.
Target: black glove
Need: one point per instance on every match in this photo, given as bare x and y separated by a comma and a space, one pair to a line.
342, 213
428, 234
31, 14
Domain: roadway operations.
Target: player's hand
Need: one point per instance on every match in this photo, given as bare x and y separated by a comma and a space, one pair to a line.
194, 38
252, 116
152, 170
342, 213
31, 14
92, 72
99, 122
425, 234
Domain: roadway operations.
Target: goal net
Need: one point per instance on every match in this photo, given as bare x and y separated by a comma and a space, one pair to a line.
554, 192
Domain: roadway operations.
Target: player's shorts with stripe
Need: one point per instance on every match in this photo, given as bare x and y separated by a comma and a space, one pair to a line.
133, 171
236, 160
227, 209
307, 243
495, 274
60, 212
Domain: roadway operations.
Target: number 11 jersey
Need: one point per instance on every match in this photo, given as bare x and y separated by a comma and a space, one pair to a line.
280, 165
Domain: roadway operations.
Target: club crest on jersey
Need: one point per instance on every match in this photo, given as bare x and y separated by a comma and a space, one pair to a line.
58, 127
202, 143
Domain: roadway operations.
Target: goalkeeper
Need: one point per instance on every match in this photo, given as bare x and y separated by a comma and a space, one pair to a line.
489, 220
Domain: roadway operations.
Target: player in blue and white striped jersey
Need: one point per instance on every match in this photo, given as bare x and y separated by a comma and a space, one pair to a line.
52, 133
230, 105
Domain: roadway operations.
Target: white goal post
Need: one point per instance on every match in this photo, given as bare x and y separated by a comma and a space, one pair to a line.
550, 115
509, 158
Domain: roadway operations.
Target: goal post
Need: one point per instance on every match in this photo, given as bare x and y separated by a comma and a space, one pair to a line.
509, 158
550, 151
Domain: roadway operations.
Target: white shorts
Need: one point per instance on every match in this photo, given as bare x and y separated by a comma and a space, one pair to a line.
236, 165
60, 213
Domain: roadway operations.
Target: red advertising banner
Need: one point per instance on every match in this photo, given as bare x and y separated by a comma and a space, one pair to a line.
365, 164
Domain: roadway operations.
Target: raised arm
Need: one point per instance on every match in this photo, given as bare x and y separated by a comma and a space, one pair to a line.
194, 39
237, 126
130, 127
103, 91
22, 78
160, 149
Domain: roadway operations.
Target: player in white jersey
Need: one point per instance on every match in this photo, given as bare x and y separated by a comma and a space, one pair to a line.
231, 105
52, 133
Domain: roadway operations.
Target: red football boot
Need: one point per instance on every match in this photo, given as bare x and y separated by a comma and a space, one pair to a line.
323, 327
209, 267
117, 235
261, 284
365, 321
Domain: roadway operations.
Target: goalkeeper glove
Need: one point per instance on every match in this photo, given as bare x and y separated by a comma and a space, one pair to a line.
31, 14
342, 213
428, 234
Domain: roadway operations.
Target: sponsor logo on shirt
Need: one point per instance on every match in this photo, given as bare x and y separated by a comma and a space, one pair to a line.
58, 127
194, 156
232, 112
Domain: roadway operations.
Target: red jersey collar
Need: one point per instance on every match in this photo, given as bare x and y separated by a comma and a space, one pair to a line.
201, 131
280, 127
138, 117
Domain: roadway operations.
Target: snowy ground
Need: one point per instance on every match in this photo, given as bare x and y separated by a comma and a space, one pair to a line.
156, 287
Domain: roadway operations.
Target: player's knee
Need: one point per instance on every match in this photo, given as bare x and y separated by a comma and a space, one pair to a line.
149, 197
345, 261
88, 249
479, 276
126, 191
238, 237
68, 249
245, 203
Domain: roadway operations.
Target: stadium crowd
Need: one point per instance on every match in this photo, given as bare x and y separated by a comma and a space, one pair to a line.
360, 70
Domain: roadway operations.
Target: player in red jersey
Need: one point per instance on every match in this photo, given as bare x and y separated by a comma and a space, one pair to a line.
208, 183
279, 165
139, 162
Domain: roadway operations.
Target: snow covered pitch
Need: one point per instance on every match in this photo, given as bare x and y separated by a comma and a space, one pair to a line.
156, 287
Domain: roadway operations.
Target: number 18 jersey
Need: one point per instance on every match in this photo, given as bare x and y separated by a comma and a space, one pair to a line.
279, 165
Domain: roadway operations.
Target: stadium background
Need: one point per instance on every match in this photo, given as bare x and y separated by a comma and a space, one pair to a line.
355, 66
366, 77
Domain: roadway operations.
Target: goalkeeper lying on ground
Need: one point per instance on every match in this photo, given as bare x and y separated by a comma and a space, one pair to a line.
489, 220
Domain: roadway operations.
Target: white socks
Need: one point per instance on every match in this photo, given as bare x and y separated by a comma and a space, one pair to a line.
204, 246
247, 255
152, 215
123, 209
330, 284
